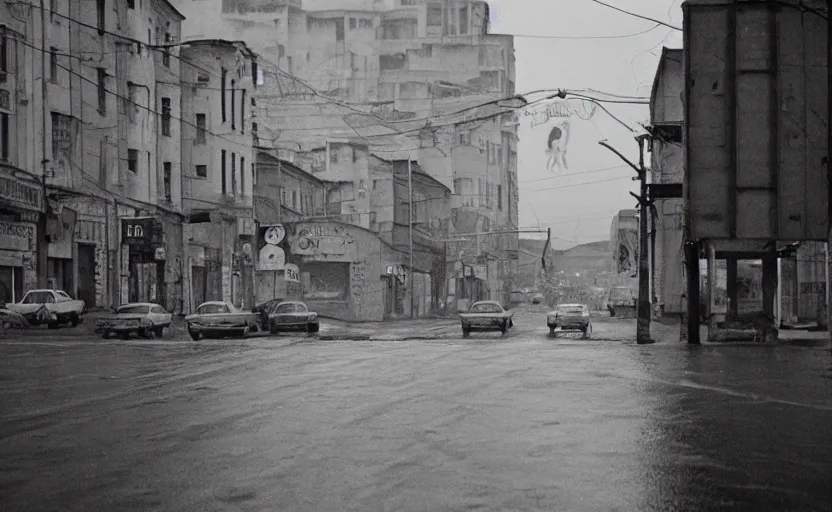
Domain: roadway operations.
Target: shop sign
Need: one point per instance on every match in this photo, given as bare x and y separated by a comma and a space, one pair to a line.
139, 231
481, 272
272, 257
322, 239
17, 237
292, 273
21, 194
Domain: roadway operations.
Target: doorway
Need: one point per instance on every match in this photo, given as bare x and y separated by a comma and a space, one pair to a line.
86, 274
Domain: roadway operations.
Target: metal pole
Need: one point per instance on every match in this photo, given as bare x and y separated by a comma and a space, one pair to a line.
643, 325
42, 254
410, 226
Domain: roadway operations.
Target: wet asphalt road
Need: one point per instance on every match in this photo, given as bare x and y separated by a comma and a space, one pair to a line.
521, 422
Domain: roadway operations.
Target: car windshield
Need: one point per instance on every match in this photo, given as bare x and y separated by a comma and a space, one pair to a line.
290, 308
134, 310
486, 308
570, 309
39, 298
210, 309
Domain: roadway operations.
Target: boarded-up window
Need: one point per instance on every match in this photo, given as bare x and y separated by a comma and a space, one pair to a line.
391, 62
328, 281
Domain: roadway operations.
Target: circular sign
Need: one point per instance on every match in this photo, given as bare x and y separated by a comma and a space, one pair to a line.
272, 258
274, 234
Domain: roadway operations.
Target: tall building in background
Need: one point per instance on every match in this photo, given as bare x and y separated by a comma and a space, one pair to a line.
404, 80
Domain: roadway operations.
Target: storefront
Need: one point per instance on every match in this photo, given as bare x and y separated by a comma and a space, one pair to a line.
21, 203
143, 258
342, 270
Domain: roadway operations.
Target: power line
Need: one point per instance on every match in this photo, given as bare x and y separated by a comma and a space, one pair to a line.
575, 174
576, 184
621, 36
599, 2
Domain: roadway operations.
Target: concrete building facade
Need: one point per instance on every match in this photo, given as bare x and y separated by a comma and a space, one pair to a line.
218, 165
370, 80
667, 226
77, 118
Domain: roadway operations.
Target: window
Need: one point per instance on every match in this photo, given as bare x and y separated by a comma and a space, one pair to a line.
4, 59
253, 102
365, 23
131, 4
200, 129
233, 173
61, 134
255, 139
500, 197
222, 171
242, 176
166, 117
233, 107
283, 198
133, 160
53, 64
434, 18
254, 75
102, 91
4, 137
53, 9
289, 64
132, 103
166, 180
100, 6
253, 176
243, 112
166, 54
202, 171
353, 24
333, 155
294, 199
463, 20
222, 92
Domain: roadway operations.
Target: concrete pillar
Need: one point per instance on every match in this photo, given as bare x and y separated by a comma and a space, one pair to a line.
733, 306
692, 296
711, 311
769, 293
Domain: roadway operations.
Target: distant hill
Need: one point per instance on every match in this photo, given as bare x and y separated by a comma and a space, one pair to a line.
591, 261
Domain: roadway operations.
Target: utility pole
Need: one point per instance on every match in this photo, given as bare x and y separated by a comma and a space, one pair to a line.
644, 202
410, 225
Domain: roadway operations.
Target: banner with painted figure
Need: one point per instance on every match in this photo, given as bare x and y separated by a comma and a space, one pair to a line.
558, 139
624, 237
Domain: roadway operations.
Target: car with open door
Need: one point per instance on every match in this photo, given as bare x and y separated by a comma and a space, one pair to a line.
293, 316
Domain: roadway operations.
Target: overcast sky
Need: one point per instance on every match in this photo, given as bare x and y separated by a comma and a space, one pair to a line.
624, 65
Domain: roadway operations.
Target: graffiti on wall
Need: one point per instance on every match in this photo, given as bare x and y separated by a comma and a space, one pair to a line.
358, 279
318, 239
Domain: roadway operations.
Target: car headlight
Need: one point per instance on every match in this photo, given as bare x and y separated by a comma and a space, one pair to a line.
313, 316
585, 313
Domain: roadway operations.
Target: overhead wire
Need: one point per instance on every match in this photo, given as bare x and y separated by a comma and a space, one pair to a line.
635, 15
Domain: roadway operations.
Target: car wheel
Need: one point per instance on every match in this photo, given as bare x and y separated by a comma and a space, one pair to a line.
52, 325
125, 336
196, 336
511, 323
551, 331
273, 329
503, 327
105, 335
245, 331
74, 320
465, 332
313, 328
160, 332
148, 333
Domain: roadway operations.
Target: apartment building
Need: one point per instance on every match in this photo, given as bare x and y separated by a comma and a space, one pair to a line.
373, 79
218, 162
87, 117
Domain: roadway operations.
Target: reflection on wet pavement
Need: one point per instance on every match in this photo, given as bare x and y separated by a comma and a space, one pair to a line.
518, 423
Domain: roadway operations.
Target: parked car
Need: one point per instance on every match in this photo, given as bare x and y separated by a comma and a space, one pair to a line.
262, 310
293, 316
621, 298
486, 315
216, 319
144, 319
51, 307
11, 319
569, 317
537, 298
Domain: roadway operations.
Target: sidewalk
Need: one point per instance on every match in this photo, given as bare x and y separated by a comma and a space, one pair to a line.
666, 331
